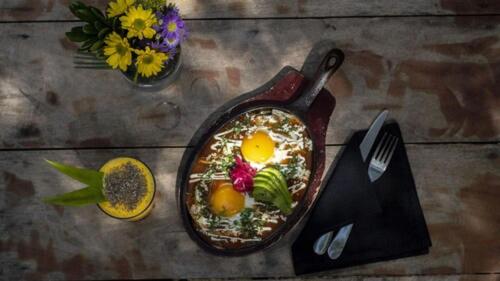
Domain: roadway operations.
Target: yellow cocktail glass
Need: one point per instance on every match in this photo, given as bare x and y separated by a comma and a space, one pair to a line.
144, 206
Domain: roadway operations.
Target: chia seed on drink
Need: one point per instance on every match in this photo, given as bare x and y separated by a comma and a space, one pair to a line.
125, 185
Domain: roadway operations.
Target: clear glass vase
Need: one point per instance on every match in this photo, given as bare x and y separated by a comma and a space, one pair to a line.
163, 79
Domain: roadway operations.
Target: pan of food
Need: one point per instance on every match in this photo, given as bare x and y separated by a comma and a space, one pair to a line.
254, 166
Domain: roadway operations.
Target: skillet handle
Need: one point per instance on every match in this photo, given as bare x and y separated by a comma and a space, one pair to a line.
330, 63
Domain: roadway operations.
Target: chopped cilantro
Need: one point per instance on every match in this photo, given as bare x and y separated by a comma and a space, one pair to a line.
238, 127
213, 221
290, 171
249, 222
226, 162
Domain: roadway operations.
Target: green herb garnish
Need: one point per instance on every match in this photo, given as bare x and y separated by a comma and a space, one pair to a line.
249, 222
226, 164
213, 221
88, 195
290, 171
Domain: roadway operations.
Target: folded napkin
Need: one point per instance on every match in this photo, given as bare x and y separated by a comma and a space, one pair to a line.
388, 220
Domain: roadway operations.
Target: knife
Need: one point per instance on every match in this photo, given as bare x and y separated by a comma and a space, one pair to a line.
371, 135
338, 243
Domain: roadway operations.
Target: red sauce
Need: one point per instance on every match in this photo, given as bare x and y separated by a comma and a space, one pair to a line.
201, 165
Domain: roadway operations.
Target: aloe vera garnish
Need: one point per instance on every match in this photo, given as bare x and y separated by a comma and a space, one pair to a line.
122, 186
91, 194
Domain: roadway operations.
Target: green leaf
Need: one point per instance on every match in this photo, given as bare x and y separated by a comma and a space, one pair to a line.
77, 29
100, 55
89, 177
75, 5
80, 197
85, 15
103, 33
97, 13
99, 25
86, 46
97, 46
116, 24
89, 29
77, 36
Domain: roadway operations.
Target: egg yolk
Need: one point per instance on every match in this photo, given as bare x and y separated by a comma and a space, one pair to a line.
258, 147
225, 201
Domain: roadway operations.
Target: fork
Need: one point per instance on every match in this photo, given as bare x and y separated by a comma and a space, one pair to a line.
382, 156
378, 164
88, 60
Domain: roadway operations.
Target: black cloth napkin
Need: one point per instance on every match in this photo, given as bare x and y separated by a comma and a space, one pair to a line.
388, 220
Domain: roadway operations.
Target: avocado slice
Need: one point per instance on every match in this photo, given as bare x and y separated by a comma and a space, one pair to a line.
273, 175
265, 183
277, 174
263, 193
270, 181
283, 205
281, 179
270, 186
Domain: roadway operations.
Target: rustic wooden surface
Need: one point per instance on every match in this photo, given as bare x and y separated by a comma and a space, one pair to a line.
440, 88
29, 10
435, 64
40, 241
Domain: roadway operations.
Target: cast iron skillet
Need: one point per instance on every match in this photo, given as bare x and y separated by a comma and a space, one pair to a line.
297, 107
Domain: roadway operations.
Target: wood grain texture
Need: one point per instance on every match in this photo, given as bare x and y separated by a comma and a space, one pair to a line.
438, 76
453, 277
40, 242
30, 10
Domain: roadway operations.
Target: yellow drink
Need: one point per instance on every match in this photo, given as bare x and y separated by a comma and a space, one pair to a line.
145, 204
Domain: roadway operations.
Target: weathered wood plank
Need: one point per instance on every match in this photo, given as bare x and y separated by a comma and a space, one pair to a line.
465, 277
38, 241
438, 76
28, 10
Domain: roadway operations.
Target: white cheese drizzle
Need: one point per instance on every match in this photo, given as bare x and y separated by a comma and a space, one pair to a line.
289, 143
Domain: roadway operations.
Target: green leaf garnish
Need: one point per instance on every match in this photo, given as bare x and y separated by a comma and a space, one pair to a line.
83, 175
80, 197
88, 195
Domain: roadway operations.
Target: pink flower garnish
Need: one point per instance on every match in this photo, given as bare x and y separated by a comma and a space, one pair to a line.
242, 175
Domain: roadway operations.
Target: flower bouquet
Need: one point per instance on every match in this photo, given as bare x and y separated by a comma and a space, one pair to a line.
140, 37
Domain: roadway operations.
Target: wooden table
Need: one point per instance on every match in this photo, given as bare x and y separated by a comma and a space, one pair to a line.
435, 64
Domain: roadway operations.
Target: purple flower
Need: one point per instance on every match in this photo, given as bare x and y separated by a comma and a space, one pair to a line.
173, 24
171, 30
164, 48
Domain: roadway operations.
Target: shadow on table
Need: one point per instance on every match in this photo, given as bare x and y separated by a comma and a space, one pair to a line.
162, 232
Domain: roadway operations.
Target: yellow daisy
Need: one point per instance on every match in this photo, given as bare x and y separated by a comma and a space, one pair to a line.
138, 22
118, 51
119, 7
149, 62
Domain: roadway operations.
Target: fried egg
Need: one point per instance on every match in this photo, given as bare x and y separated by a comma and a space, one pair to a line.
227, 202
262, 138
258, 147
264, 147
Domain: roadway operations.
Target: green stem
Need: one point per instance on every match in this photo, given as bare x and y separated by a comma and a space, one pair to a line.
135, 76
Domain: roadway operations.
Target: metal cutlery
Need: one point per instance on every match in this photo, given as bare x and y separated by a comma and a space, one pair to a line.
371, 135
378, 164
337, 246
382, 156
323, 243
